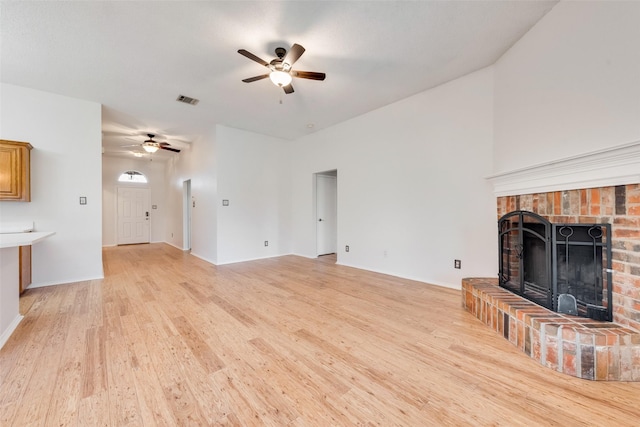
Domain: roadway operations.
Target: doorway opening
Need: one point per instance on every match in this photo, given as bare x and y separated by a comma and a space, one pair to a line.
186, 215
326, 209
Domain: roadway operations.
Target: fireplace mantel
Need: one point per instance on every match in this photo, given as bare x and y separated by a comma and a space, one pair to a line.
618, 165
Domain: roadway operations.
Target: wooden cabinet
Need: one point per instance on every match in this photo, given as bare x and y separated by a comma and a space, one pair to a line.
25, 267
15, 171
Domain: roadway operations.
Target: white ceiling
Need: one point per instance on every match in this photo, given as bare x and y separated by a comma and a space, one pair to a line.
136, 57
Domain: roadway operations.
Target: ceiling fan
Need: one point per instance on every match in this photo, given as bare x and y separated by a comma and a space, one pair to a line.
151, 146
281, 72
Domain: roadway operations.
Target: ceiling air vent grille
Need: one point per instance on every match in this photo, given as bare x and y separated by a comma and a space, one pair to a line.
187, 100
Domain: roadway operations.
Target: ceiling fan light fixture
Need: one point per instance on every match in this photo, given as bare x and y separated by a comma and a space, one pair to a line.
150, 148
280, 71
280, 78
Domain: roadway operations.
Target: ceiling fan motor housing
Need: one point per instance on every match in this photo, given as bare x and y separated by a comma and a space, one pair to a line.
281, 52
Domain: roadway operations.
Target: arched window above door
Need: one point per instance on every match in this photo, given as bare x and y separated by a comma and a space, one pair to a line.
133, 176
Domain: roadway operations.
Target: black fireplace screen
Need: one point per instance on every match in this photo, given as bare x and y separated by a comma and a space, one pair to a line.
564, 267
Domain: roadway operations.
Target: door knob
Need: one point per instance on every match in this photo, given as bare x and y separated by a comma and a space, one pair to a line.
320, 220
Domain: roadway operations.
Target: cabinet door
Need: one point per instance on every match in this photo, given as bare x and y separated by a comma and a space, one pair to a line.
25, 267
15, 166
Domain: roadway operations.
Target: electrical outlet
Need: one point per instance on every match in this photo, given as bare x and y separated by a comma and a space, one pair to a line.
346, 248
457, 263
266, 243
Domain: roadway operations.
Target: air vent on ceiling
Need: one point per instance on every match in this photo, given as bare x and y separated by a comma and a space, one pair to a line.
187, 100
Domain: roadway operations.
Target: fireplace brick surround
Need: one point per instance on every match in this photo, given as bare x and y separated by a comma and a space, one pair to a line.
576, 346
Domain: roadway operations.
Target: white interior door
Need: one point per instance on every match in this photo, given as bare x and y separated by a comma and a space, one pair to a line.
133, 215
326, 214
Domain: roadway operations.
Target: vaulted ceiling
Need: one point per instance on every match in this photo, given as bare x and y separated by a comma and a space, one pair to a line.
137, 57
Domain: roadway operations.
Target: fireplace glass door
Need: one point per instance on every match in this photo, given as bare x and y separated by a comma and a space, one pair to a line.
525, 266
549, 263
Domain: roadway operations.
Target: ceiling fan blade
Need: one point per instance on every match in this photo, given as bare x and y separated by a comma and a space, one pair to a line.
256, 78
253, 57
309, 75
288, 88
164, 147
292, 56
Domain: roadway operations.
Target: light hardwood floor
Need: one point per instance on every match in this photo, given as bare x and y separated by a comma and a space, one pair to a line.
167, 339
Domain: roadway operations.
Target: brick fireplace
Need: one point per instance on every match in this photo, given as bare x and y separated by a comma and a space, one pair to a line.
584, 348
615, 205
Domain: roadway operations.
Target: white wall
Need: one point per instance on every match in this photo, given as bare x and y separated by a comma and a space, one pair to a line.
66, 163
197, 163
254, 175
112, 168
571, 85
410, 182
174, 177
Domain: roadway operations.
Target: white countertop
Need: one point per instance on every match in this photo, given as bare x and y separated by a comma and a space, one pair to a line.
11, 240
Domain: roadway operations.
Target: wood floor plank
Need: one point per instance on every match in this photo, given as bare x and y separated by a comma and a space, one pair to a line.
283, 371
208, 360
36, 378
154, 408
63, 409
123, 405
168, 339
93, 410
176, 390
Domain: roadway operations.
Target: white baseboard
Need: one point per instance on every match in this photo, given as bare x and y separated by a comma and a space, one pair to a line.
64, 282
12, 327
236, 261
402, 276
200, 257
171, 244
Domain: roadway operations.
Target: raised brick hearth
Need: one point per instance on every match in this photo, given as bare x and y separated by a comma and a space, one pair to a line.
577, 346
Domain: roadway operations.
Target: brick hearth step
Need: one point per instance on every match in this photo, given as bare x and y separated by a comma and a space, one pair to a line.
577, 346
